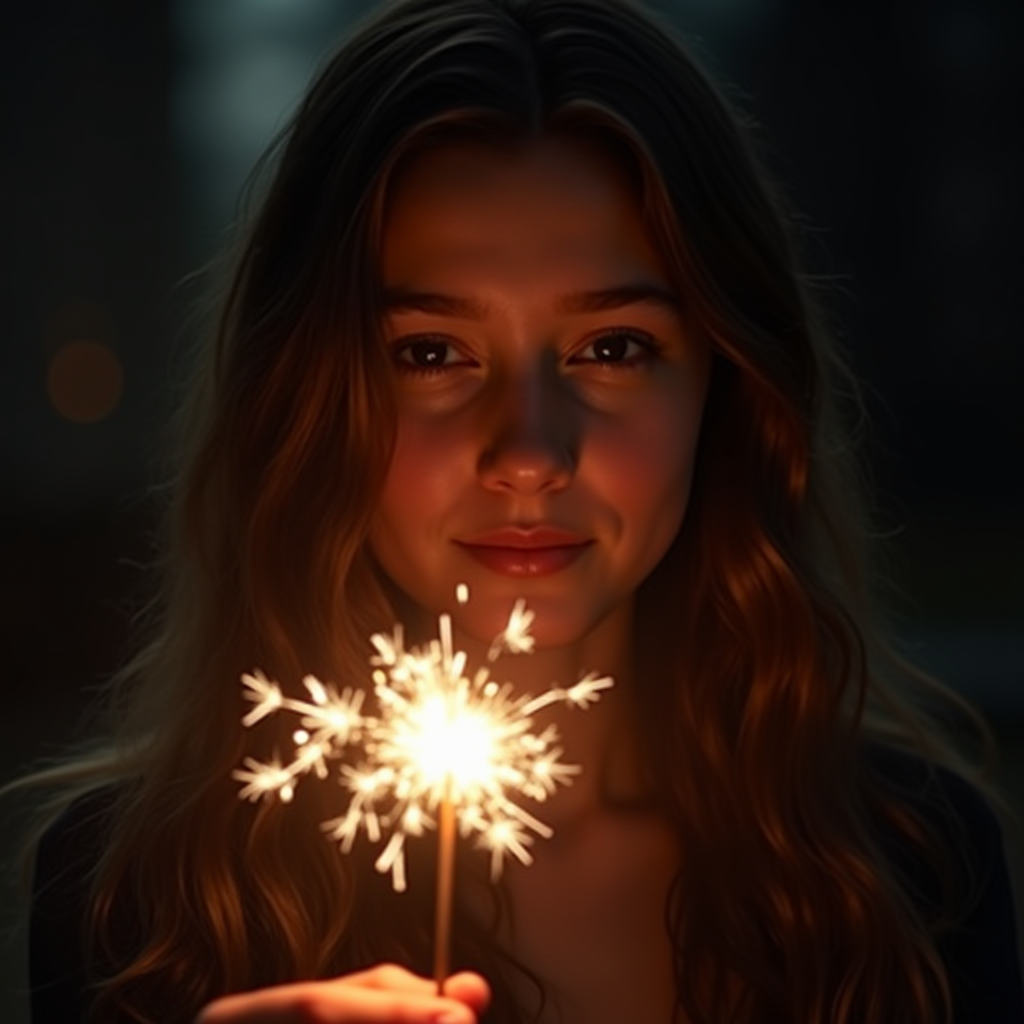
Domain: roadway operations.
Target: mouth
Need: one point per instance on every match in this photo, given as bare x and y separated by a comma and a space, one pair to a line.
526, 552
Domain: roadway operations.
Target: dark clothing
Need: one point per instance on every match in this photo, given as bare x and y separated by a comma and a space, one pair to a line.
981, 955
68, 852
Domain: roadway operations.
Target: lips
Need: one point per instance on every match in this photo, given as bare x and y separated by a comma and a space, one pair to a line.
526, 551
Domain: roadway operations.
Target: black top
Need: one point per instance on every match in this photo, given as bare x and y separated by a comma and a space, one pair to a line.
981, 956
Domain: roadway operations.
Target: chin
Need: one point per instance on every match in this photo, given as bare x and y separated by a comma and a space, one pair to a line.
557, 623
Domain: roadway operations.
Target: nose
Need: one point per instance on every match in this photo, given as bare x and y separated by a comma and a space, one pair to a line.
533, 438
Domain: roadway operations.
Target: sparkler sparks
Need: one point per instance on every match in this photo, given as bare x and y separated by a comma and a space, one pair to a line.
439, 739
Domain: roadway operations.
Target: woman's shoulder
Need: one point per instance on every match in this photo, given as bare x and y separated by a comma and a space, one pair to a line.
66, 858
69, 850
76, 838
954, 811
979, 943
936, 791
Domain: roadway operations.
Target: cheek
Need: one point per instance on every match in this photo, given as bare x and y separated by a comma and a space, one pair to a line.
424, 480
426, 463
647, 466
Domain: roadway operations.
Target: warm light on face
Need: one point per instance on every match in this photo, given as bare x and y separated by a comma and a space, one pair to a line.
546, 376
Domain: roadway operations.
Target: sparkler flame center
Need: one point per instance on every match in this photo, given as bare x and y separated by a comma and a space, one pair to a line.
451, 745
438, 737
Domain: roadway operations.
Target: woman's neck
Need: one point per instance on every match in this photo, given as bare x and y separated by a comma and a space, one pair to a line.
602, 738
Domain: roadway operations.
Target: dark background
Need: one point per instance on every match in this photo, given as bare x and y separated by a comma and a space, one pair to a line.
127, 128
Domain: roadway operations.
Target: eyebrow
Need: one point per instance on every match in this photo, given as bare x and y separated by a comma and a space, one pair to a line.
406, 300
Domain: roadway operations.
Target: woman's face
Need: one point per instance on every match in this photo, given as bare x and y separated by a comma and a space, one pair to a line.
550, 390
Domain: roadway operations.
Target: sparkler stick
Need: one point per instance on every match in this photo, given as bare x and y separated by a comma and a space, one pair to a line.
444, 749
445, 891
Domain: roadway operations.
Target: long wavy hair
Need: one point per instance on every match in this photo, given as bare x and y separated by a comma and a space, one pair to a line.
759, 711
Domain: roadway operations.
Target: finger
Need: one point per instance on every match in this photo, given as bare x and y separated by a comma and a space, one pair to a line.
469, 988
337, 1002
393, 978
466, 987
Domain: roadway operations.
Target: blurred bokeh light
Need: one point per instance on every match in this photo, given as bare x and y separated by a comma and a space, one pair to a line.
84, 381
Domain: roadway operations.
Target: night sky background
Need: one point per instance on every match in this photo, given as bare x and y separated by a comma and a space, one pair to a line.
128, 128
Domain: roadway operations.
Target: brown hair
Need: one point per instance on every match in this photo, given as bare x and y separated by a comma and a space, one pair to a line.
760, 710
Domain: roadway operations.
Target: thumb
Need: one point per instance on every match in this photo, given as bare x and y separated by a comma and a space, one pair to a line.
468, 988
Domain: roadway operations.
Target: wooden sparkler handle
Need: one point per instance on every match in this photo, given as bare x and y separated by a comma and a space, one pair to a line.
445, 886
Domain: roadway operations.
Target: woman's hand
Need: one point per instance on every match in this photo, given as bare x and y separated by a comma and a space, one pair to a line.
383, 995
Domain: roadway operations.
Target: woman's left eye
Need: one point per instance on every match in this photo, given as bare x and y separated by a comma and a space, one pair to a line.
617, 348
428, 355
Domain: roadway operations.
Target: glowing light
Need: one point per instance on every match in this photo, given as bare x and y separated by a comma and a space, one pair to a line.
515, 638
439, 739
84, 381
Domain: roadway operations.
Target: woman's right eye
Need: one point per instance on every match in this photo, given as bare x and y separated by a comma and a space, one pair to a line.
428, 355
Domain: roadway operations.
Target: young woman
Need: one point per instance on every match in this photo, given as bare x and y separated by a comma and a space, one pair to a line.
519, 311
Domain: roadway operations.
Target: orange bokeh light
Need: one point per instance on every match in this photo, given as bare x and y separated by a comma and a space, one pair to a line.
85, 381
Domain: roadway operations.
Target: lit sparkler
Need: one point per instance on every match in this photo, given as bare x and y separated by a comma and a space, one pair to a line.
444, 750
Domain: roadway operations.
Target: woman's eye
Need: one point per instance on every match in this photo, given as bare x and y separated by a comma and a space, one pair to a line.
617, 347
425, 355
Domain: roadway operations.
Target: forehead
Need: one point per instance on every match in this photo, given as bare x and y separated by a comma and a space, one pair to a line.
552, 205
